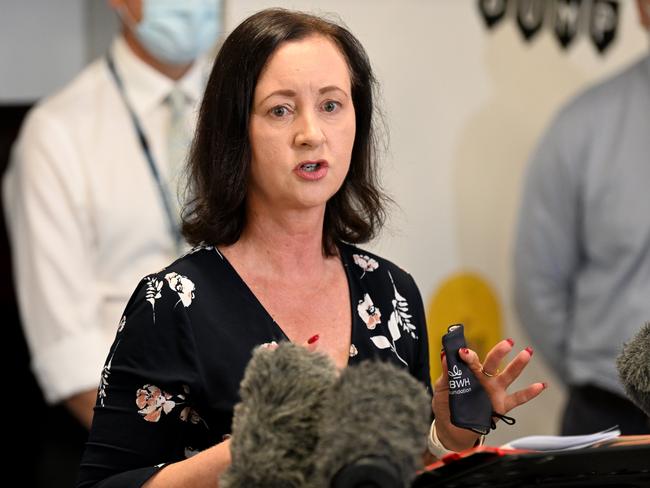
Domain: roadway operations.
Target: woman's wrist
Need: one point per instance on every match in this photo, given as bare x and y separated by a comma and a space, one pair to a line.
438, 449
434, 445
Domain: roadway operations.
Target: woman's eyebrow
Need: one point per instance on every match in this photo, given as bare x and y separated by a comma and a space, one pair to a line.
284, 93
292, 94
331, 88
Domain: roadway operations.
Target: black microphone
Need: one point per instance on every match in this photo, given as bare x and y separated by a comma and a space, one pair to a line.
374, 428
275, 425
634, 369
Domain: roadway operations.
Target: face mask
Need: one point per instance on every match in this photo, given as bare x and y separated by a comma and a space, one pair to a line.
177, 31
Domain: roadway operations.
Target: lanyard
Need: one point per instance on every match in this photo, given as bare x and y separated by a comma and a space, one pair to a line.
163, 190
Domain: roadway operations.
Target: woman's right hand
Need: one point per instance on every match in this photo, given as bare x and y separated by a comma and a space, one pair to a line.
495, 383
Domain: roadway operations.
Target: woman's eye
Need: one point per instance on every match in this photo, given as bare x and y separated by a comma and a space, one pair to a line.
280, 111
330, 106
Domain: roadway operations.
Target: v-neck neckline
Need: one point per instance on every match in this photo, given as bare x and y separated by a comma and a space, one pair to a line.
251, 297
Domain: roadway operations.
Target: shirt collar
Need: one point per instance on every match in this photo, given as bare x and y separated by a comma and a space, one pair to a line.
146, 87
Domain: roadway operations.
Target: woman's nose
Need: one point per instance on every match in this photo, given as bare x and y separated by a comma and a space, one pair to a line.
309, 131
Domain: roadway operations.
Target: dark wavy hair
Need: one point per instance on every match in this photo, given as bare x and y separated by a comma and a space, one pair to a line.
219, 161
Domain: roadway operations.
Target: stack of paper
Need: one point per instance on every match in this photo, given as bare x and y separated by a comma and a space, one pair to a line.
561, 443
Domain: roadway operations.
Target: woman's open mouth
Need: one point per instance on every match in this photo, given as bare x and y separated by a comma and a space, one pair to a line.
312, 170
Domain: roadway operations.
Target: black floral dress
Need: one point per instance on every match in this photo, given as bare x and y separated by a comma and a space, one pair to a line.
171, 379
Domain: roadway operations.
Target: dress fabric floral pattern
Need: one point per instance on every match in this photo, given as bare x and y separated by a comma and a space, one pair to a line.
370, 314
152, 401
106, 370
399, 318
171, 379
181, 285
365, 262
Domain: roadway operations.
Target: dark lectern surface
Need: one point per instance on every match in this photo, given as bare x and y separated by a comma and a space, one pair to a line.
619, 466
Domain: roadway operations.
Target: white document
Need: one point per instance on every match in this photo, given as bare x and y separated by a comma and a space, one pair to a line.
561, 443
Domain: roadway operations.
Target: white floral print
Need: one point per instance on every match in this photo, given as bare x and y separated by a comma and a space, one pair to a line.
370, 314
103, 381
152, 401
121, 325
106, 370
353, 350
202, 247
153, 293
366, 263
181, 285
154, 286
399, 319
199, 247
400, 316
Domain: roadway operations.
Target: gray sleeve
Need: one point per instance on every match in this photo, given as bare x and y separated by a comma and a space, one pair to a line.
547, 249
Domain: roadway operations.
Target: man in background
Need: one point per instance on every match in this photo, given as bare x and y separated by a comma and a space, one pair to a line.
91, 194
582, 257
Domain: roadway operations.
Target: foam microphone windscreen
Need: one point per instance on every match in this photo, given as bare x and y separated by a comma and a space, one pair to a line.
634, 368
374, 428
275, 425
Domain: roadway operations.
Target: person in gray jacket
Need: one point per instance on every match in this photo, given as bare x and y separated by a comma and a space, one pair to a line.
582, 256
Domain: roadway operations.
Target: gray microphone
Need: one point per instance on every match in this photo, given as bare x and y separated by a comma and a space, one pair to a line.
300, 424
634, 369
374, 428
275, 425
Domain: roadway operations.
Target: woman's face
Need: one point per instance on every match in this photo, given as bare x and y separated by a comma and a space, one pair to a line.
302, 126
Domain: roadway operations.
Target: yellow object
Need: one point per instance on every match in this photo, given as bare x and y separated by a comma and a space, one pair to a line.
463, 298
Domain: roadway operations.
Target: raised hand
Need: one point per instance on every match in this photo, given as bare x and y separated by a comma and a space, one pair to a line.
495, 383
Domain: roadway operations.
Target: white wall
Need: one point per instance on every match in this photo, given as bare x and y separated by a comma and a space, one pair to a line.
41, 46
464, 108
45, 43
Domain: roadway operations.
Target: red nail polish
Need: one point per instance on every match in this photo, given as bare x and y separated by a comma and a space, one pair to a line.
529, 350
464, 350
510, 341
545, 385
313, 339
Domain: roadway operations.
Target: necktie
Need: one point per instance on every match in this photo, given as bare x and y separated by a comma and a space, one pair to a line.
178, 141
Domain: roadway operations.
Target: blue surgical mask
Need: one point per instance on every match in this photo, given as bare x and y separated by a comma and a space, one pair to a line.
177, 31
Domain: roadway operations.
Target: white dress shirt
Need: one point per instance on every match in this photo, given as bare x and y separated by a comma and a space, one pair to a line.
85, 214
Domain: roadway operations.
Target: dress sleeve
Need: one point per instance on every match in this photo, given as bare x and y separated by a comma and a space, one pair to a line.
420, 368
51, 237
406, 323
146, 415
547, 249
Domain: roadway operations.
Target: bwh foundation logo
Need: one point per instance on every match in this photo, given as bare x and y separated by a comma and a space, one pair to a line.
456, 379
